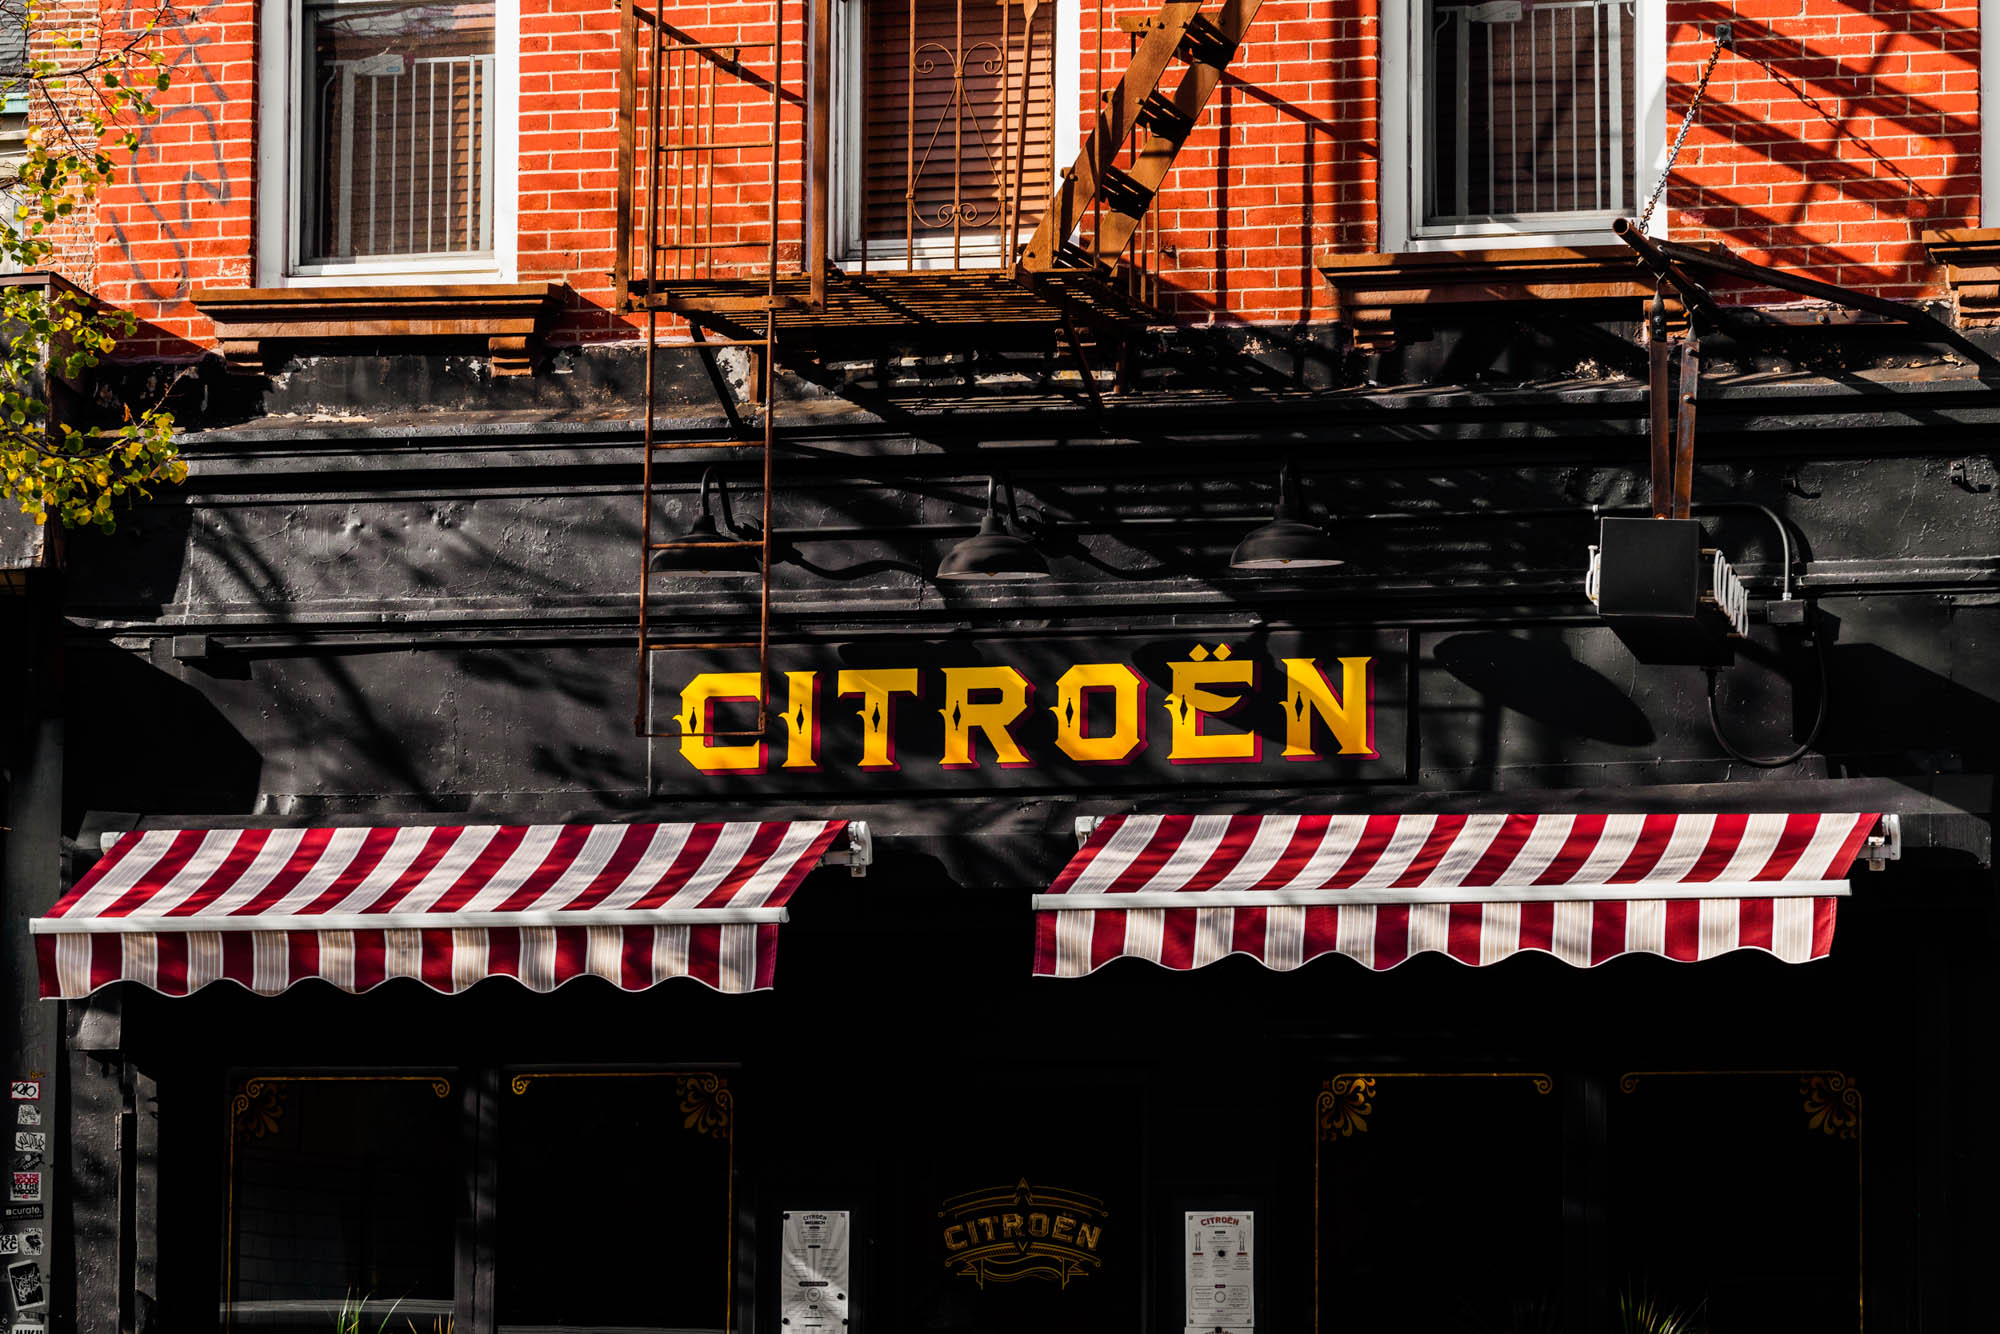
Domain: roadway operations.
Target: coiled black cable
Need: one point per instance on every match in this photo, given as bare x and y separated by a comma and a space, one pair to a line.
1819, 722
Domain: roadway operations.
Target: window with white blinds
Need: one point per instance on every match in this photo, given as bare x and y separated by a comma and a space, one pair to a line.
399, 135
388, 141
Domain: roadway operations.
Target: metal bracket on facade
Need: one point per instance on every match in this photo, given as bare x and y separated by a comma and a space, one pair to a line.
858, 855
1885, 844
1086, 825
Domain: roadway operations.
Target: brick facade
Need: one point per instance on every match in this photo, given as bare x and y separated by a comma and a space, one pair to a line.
1832, 136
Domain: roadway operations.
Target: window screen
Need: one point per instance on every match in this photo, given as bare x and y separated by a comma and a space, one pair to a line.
1528, 109
398, 131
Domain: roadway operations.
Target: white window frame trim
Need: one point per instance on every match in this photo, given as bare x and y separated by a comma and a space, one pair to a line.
934, 251
1989, 114
280, 131
1401, 118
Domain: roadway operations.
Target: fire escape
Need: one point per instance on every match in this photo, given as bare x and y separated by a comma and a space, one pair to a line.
946, 224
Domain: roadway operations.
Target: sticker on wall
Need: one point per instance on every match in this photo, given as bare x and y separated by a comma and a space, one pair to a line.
17, 1213
31, 1141
25, 1186
37, 1328
25, 1090
27, 1114
25, 1279
24, 1162
10, 1243
31, 1241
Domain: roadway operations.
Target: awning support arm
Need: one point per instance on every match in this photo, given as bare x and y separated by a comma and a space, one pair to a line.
858, 855
1665, 257
1668, 260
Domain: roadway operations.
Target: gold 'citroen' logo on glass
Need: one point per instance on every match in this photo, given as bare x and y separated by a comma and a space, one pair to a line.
1008, 1233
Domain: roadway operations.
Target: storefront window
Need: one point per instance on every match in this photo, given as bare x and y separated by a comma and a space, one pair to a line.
1710, 1170
1422, 1175
344, 1193
633, 1172
359, 1201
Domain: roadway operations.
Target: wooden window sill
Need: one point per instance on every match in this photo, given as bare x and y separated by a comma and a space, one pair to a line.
1384, 299
509, 316
1970, 258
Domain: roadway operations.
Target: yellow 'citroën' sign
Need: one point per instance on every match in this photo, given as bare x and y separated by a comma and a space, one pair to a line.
1008, 1233
1283, 706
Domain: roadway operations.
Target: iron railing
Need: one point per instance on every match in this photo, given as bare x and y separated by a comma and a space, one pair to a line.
406, 158
958, 153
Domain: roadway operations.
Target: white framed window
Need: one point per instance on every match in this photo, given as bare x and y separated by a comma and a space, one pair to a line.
912, 143
388, 142
1519, 122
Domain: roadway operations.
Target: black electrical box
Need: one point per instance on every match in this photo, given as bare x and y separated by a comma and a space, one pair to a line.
1649, 568
1648, 577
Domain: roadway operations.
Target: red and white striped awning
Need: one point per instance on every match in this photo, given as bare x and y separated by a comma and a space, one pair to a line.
634, 904
1186, 890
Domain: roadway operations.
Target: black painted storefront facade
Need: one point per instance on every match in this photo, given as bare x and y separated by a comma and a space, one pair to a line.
426, 618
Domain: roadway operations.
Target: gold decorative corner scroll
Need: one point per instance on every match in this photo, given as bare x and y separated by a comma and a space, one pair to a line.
707, 1105
1831, 1100
1832, 1103
256, 1107
256, 1110
1345, 1105
1347, 1100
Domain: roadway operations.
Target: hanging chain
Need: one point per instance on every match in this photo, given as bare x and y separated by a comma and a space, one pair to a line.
1687, 123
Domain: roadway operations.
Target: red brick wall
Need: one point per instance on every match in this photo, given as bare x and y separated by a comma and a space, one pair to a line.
1833, 135
63, 102
179, 215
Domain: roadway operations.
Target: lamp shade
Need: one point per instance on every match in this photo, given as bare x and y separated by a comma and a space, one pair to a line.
1284, 544
993, 553
708, 555
1288, 542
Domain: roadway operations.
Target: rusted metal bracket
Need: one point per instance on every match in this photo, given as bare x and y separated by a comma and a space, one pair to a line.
1083, 368
1683, 489
1667, 259
1671, 415
1659, 404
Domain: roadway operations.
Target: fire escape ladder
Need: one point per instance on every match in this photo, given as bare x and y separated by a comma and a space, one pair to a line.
1156, 122
685, 108
657, 633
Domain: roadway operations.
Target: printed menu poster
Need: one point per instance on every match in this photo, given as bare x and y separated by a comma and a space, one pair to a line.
1221, 1289
813, 1285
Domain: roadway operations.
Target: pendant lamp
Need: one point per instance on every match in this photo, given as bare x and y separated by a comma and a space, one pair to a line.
1288, 542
